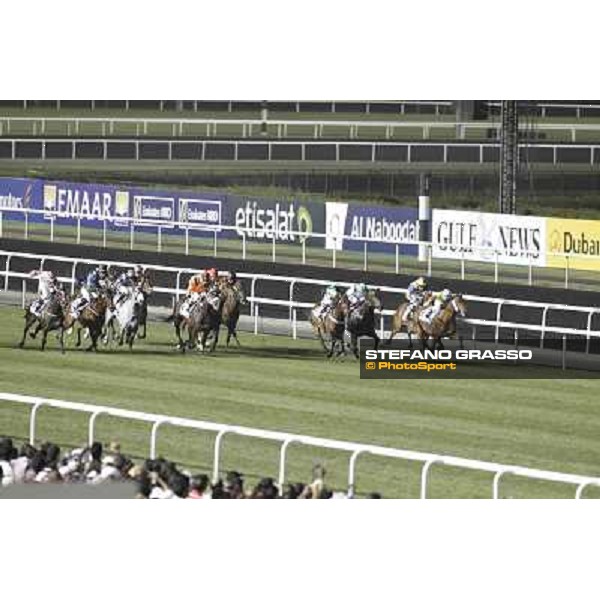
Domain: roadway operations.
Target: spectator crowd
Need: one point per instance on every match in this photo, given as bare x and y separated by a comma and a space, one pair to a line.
154, 478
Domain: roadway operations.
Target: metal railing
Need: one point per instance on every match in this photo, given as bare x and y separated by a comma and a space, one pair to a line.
293, 305
211, 127
340, 151
286, 439
246, 236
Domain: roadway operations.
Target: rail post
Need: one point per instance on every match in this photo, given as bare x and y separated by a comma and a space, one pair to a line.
32, 417
217, 456
256, 319
131, 228
462, 263
159, 239
73, 272
397, 259
588, 329
496, 484
282, 455
352, 472
530, 274
104, 233
78, 229
153, 436
26, 231
243, 245
429, 253
564, 352
187, 240
273, 253
543, 332
424, 473
177, 285
365, 265
215, 243
92, 422
52, 228
495, 266
333, 255
303, 250
23, 292
6, 272
294, 324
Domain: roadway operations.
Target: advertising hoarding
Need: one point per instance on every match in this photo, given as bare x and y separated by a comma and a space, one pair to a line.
388, 226
519, 240
579, 239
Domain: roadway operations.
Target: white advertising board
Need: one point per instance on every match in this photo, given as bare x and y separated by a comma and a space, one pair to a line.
478, 236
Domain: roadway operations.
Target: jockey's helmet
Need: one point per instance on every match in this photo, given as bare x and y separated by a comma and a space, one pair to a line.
421, 283
446, 294
130, 272
232, 276
213, 273
138, 269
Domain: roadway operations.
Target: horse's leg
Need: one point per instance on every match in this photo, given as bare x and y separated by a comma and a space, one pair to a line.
61, 339
354, 344
215, 340
44, 337
78, 343
28, 323
36, 330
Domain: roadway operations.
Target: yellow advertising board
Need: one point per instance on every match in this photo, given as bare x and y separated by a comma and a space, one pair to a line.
577, 239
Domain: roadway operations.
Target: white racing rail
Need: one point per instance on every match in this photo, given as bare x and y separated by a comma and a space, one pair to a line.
293, 305
286, 439
246, 235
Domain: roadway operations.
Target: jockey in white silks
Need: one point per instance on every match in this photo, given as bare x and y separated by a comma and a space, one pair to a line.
356, 294
47, 286
328, 301
440, 301
415, 294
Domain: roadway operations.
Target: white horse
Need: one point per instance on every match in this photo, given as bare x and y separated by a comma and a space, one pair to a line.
126, 314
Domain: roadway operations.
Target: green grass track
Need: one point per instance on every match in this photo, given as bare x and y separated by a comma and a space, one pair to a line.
280, 384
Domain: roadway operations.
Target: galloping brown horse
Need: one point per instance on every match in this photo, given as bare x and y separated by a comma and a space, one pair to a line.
51, 318
230, 310
444, 324
90, 318
330, 328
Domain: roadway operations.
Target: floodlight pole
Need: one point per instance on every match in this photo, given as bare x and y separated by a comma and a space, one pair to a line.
509, 157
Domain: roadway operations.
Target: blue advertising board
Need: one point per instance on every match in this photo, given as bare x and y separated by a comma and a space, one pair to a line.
289, 221
389, 226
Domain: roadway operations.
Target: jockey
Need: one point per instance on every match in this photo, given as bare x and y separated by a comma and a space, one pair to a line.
196, 288
213, 293
90, 288
356, 294
47, 286
124, 284
439, 301
328, 301
236, 286
415, 294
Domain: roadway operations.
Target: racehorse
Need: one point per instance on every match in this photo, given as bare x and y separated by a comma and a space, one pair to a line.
400, 322
230, 311
330, 328
360, 321
444, 324
51, 318
91, 318
205, 319
145, 288
127, 316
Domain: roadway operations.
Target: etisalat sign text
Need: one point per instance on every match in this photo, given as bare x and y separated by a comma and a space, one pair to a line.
510, 239
284, 221
482, 359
